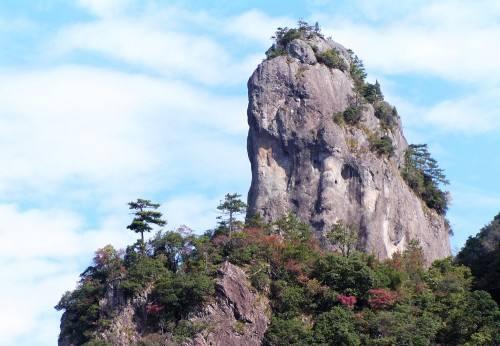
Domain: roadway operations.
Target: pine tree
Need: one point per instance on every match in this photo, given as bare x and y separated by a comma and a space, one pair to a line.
231, 206
145, 215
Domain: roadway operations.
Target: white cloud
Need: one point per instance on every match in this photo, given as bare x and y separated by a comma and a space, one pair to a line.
103, 127
40, 256
104, 7
143, 43
196, 211
256, 25
458, 43
472, 114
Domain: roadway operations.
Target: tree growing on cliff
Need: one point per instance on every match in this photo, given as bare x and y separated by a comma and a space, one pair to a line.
145, 215
423, 174
344, 237
230, 207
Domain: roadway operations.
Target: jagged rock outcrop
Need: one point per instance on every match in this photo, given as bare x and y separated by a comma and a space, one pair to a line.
304, 162
238, 316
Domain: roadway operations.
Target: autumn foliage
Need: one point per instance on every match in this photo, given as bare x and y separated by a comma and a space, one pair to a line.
347, 301
381, 298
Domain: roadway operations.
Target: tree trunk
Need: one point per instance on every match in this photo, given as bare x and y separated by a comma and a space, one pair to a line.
230, 224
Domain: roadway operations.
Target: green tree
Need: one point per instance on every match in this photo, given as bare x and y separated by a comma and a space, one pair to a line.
170, 245
230, 207
284, 332
418, 157
372, 92
346, 275
344, 236
358, 73
481, 254
423, 174
180, 293
145, 215
292, 228
336, 327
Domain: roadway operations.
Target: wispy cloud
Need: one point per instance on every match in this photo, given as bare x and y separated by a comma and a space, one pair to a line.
435, 37
40, 255
146, 43
80, 117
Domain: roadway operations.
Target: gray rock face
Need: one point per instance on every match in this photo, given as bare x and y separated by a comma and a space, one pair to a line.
303, 162
238, 316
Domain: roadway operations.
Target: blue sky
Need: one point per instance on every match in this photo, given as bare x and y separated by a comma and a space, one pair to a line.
104, 101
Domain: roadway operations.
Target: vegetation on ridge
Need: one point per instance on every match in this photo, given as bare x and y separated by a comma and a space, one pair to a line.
482, 254
317, 297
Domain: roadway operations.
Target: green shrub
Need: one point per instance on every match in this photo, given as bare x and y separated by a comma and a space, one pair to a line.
260, 280
338, 118
284, 332
141, 272
181, 293
285, 36
347, 275
290, 299
81, 311
352, 115
272, 53
386, 114
401, 327
186, 329
332, 59
382, 145
336, 327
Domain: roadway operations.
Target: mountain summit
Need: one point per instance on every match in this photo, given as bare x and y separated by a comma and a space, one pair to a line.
323, 144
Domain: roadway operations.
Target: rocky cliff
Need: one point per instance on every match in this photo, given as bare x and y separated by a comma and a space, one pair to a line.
304, 161
235, 315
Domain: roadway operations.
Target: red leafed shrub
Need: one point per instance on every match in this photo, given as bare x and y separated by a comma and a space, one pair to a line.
348, 301
153, 309
381, 298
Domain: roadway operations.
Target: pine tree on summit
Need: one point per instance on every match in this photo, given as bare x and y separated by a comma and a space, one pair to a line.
145, 214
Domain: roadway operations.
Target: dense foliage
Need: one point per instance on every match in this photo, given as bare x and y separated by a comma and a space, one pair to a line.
382, 145
284, 36
317, 297
351, 116
422, 173
481, 254
332, 59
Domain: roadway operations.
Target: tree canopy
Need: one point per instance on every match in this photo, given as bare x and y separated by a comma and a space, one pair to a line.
316, 297
145, 215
